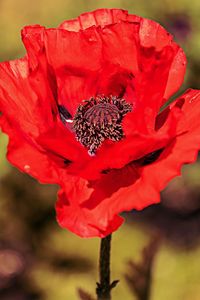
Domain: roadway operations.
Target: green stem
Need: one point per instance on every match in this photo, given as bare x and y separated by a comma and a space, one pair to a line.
104, 287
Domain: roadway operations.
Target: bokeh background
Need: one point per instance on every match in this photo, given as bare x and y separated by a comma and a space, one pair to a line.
39, 260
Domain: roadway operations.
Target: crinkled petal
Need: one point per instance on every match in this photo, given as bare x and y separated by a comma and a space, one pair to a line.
33, 39
100, 17
154, 35
150, 84
80, 220
28, 157
88, 205
25, 98
89, 61
154, 67
92, 48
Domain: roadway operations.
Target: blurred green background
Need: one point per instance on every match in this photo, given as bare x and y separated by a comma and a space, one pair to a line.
39, 260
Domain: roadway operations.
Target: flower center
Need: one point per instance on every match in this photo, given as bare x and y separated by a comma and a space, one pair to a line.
98, 119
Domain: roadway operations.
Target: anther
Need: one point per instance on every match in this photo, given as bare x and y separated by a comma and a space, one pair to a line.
98, 119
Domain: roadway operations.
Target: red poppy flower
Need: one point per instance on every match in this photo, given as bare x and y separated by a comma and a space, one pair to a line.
82, 109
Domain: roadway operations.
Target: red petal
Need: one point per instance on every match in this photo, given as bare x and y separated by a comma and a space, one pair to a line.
88, 205
153, 34
25, 98
150, 85
176, 74
28, 157
113, 80
33, 39
99, 17
77, 65
86, 58
183, 149
120, 45
80, 220
75, 81
62, 142
154, 67
76, 50
190, 105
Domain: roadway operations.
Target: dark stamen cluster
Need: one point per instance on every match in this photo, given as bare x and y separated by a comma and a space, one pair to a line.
98, 119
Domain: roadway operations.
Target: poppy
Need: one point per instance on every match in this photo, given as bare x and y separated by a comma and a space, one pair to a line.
85, 109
